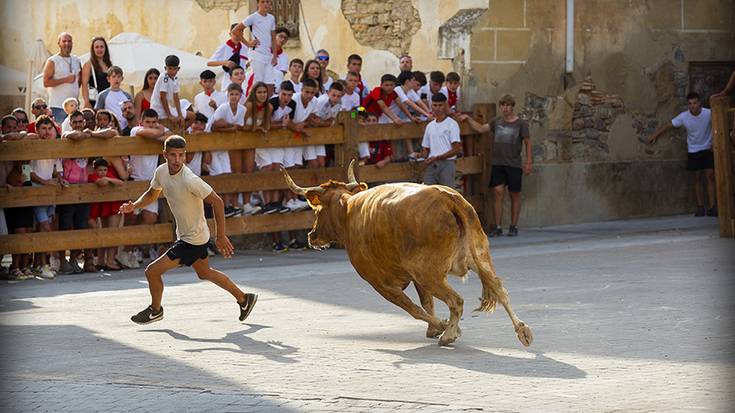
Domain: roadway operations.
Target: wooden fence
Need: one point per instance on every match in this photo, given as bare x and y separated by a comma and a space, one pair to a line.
345, 135
723, 111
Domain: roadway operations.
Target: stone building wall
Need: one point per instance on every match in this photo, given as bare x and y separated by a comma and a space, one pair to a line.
589, 128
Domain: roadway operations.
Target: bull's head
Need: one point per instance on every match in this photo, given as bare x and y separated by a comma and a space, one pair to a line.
329, 201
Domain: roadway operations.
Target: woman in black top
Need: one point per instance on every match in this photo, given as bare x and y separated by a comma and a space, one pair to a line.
95, 69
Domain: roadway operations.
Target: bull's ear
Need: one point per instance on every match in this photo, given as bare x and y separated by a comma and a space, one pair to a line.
363, 186
312, 197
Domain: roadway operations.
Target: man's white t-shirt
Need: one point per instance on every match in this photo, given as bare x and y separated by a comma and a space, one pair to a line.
144, 166
282, 64
302, 112
261, 27
170, 86
699, 129
44, 168
439, 136
351, 101
201, 102
324, 109
220, 159
185, 192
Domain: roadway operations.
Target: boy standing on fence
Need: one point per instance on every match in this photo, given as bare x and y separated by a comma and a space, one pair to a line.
186, 194
165, 97
263, 55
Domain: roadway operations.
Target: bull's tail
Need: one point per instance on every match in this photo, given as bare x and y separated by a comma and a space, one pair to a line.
481, 262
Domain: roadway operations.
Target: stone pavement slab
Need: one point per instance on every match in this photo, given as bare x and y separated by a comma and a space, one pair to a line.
627, 316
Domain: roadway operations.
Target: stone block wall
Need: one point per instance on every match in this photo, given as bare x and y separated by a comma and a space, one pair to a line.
630, 75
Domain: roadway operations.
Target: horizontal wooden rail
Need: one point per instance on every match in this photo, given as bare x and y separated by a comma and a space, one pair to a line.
28, 149
257, 181
145, 234
127, 145
393, 132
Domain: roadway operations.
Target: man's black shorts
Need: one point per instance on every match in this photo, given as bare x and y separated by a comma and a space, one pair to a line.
187, 253
509, 176
698, 161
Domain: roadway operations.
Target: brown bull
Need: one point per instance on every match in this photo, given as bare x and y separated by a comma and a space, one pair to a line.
398, 233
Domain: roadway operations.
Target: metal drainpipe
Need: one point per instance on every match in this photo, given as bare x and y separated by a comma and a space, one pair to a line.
570, 37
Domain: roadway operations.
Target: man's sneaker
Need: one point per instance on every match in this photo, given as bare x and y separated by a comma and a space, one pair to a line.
271, 208
46, 273
282, 209
297, 205
230, 211
65, 267
147, 316
76, 269
513, 231
249, 209
495, 231
712, 212
247, 306
279, 247
700, 211
295, 245
16, 274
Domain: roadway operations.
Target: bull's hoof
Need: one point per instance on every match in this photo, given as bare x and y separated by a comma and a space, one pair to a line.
524, 334
448, 337
434, 332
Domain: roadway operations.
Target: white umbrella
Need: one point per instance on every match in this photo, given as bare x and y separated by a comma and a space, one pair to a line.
39, 55
12, 82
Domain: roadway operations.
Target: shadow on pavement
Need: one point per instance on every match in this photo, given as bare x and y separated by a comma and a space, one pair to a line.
271, 350
65, 357
470, 358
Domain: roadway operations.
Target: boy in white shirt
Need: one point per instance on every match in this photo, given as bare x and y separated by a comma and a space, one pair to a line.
295, 69
354, 65
263, 55
209, 99
441, 145
435, 85
304, 115
186, 194
328, 105
143, 166
229, 117
165, 97
195, 160
113, 97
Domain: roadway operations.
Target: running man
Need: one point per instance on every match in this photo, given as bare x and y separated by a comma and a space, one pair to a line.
184, 192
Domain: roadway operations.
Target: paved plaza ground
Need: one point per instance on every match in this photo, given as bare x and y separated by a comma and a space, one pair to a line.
628, 316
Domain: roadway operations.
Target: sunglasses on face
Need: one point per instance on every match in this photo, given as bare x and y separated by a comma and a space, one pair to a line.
38, 107
323, 58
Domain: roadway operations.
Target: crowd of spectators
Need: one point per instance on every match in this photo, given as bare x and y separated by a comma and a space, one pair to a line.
261, 90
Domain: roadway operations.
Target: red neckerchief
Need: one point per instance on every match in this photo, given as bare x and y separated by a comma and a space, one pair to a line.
208, 94
259, 107
235, 48
279, 50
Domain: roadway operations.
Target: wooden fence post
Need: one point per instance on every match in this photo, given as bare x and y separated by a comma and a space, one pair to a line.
723, 154
348, 150
483, 113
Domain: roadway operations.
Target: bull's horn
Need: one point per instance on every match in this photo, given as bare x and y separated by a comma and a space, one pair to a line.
297, 189
351, 173
291, 184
